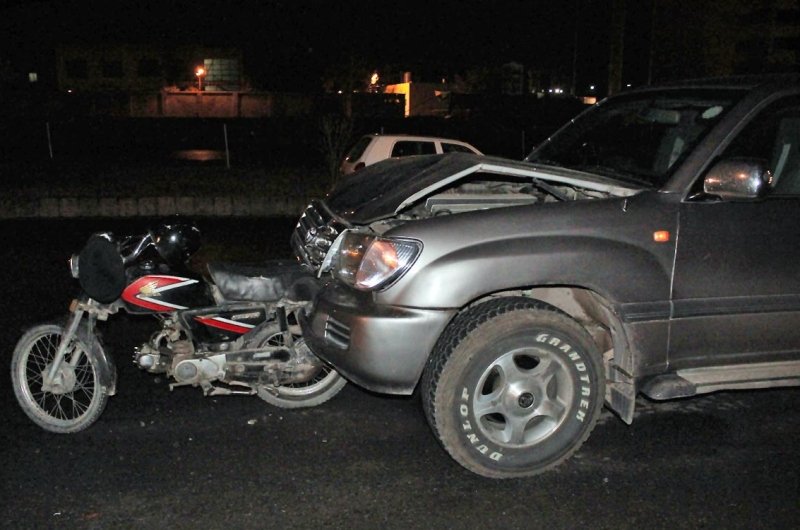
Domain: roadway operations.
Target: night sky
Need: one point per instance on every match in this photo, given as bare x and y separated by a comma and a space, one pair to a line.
291, 44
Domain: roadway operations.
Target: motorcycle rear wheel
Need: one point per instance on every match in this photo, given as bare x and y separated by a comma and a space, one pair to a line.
78, 398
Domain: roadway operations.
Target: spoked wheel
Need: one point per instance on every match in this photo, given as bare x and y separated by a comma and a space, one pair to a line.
321, 387
74, 399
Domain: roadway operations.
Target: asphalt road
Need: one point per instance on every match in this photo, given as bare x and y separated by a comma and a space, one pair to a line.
159, 459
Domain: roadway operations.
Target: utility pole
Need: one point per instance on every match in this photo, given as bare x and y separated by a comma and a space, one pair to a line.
617, 42
652, 41
573, 88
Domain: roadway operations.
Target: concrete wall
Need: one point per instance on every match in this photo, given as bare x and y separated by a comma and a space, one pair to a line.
217, 104
200, 104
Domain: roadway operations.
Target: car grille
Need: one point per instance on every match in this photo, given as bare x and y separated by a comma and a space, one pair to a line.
337, 333
314, 234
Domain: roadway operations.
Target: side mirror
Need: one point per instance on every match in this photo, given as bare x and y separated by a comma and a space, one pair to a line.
738, 179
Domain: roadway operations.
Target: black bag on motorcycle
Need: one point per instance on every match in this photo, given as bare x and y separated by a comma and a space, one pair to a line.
101, 271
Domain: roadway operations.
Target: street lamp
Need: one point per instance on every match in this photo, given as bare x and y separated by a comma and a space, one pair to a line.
373, 82
200, 73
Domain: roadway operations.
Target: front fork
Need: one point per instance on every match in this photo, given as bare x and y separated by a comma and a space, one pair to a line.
53, 376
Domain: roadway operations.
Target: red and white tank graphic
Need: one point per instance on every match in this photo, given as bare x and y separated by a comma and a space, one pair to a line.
224, 324
147, 292
159, 293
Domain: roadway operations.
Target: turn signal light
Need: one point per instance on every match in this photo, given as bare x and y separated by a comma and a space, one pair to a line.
661, 236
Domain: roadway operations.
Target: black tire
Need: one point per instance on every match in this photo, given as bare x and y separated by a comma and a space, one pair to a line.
80, 400
513, 388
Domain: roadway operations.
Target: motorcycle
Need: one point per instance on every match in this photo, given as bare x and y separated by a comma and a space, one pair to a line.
235, 333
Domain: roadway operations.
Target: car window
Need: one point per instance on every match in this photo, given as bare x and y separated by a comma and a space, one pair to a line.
774, 137
358, 149
408, 148
638, 138
455, 148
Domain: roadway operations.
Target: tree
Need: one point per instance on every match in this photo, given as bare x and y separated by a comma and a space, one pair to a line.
336, 130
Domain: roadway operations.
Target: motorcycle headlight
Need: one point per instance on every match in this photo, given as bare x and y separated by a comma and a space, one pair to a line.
369, 262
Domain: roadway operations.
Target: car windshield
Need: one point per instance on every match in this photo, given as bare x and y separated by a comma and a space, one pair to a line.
638, 138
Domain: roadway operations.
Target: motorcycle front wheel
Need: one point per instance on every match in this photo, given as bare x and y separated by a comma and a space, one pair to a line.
315, 392
75, 399
325, 384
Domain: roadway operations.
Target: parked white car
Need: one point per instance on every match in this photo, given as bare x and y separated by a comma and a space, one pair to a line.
373, 148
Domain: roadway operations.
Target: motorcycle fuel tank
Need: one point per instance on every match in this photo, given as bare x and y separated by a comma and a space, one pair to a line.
164, 293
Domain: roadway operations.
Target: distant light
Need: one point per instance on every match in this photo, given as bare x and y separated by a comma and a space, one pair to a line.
33, 77
628, 85
374, 79
200, 72
591, 87
69, 91
339, 92
550, 90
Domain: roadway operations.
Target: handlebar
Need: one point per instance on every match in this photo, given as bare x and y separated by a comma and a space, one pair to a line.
138, 243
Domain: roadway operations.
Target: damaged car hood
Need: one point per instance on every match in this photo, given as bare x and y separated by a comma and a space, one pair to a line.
388, 187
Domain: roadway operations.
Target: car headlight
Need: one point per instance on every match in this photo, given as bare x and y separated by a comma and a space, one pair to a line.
369, 262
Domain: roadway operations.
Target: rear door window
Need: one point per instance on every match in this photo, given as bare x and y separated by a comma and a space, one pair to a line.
409, 148
455, 148
357, 150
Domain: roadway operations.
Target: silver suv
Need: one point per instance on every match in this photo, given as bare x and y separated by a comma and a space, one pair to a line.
649, 247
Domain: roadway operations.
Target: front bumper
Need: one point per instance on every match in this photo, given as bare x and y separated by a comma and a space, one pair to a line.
383, 348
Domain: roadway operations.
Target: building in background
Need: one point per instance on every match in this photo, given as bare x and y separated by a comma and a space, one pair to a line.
768, 38
141, 68
723, 38
160, 81
421, 99
663, 40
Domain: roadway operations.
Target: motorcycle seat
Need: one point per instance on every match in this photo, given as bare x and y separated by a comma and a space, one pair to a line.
265, 282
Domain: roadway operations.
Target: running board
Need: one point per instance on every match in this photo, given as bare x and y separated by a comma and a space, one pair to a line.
693, 381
